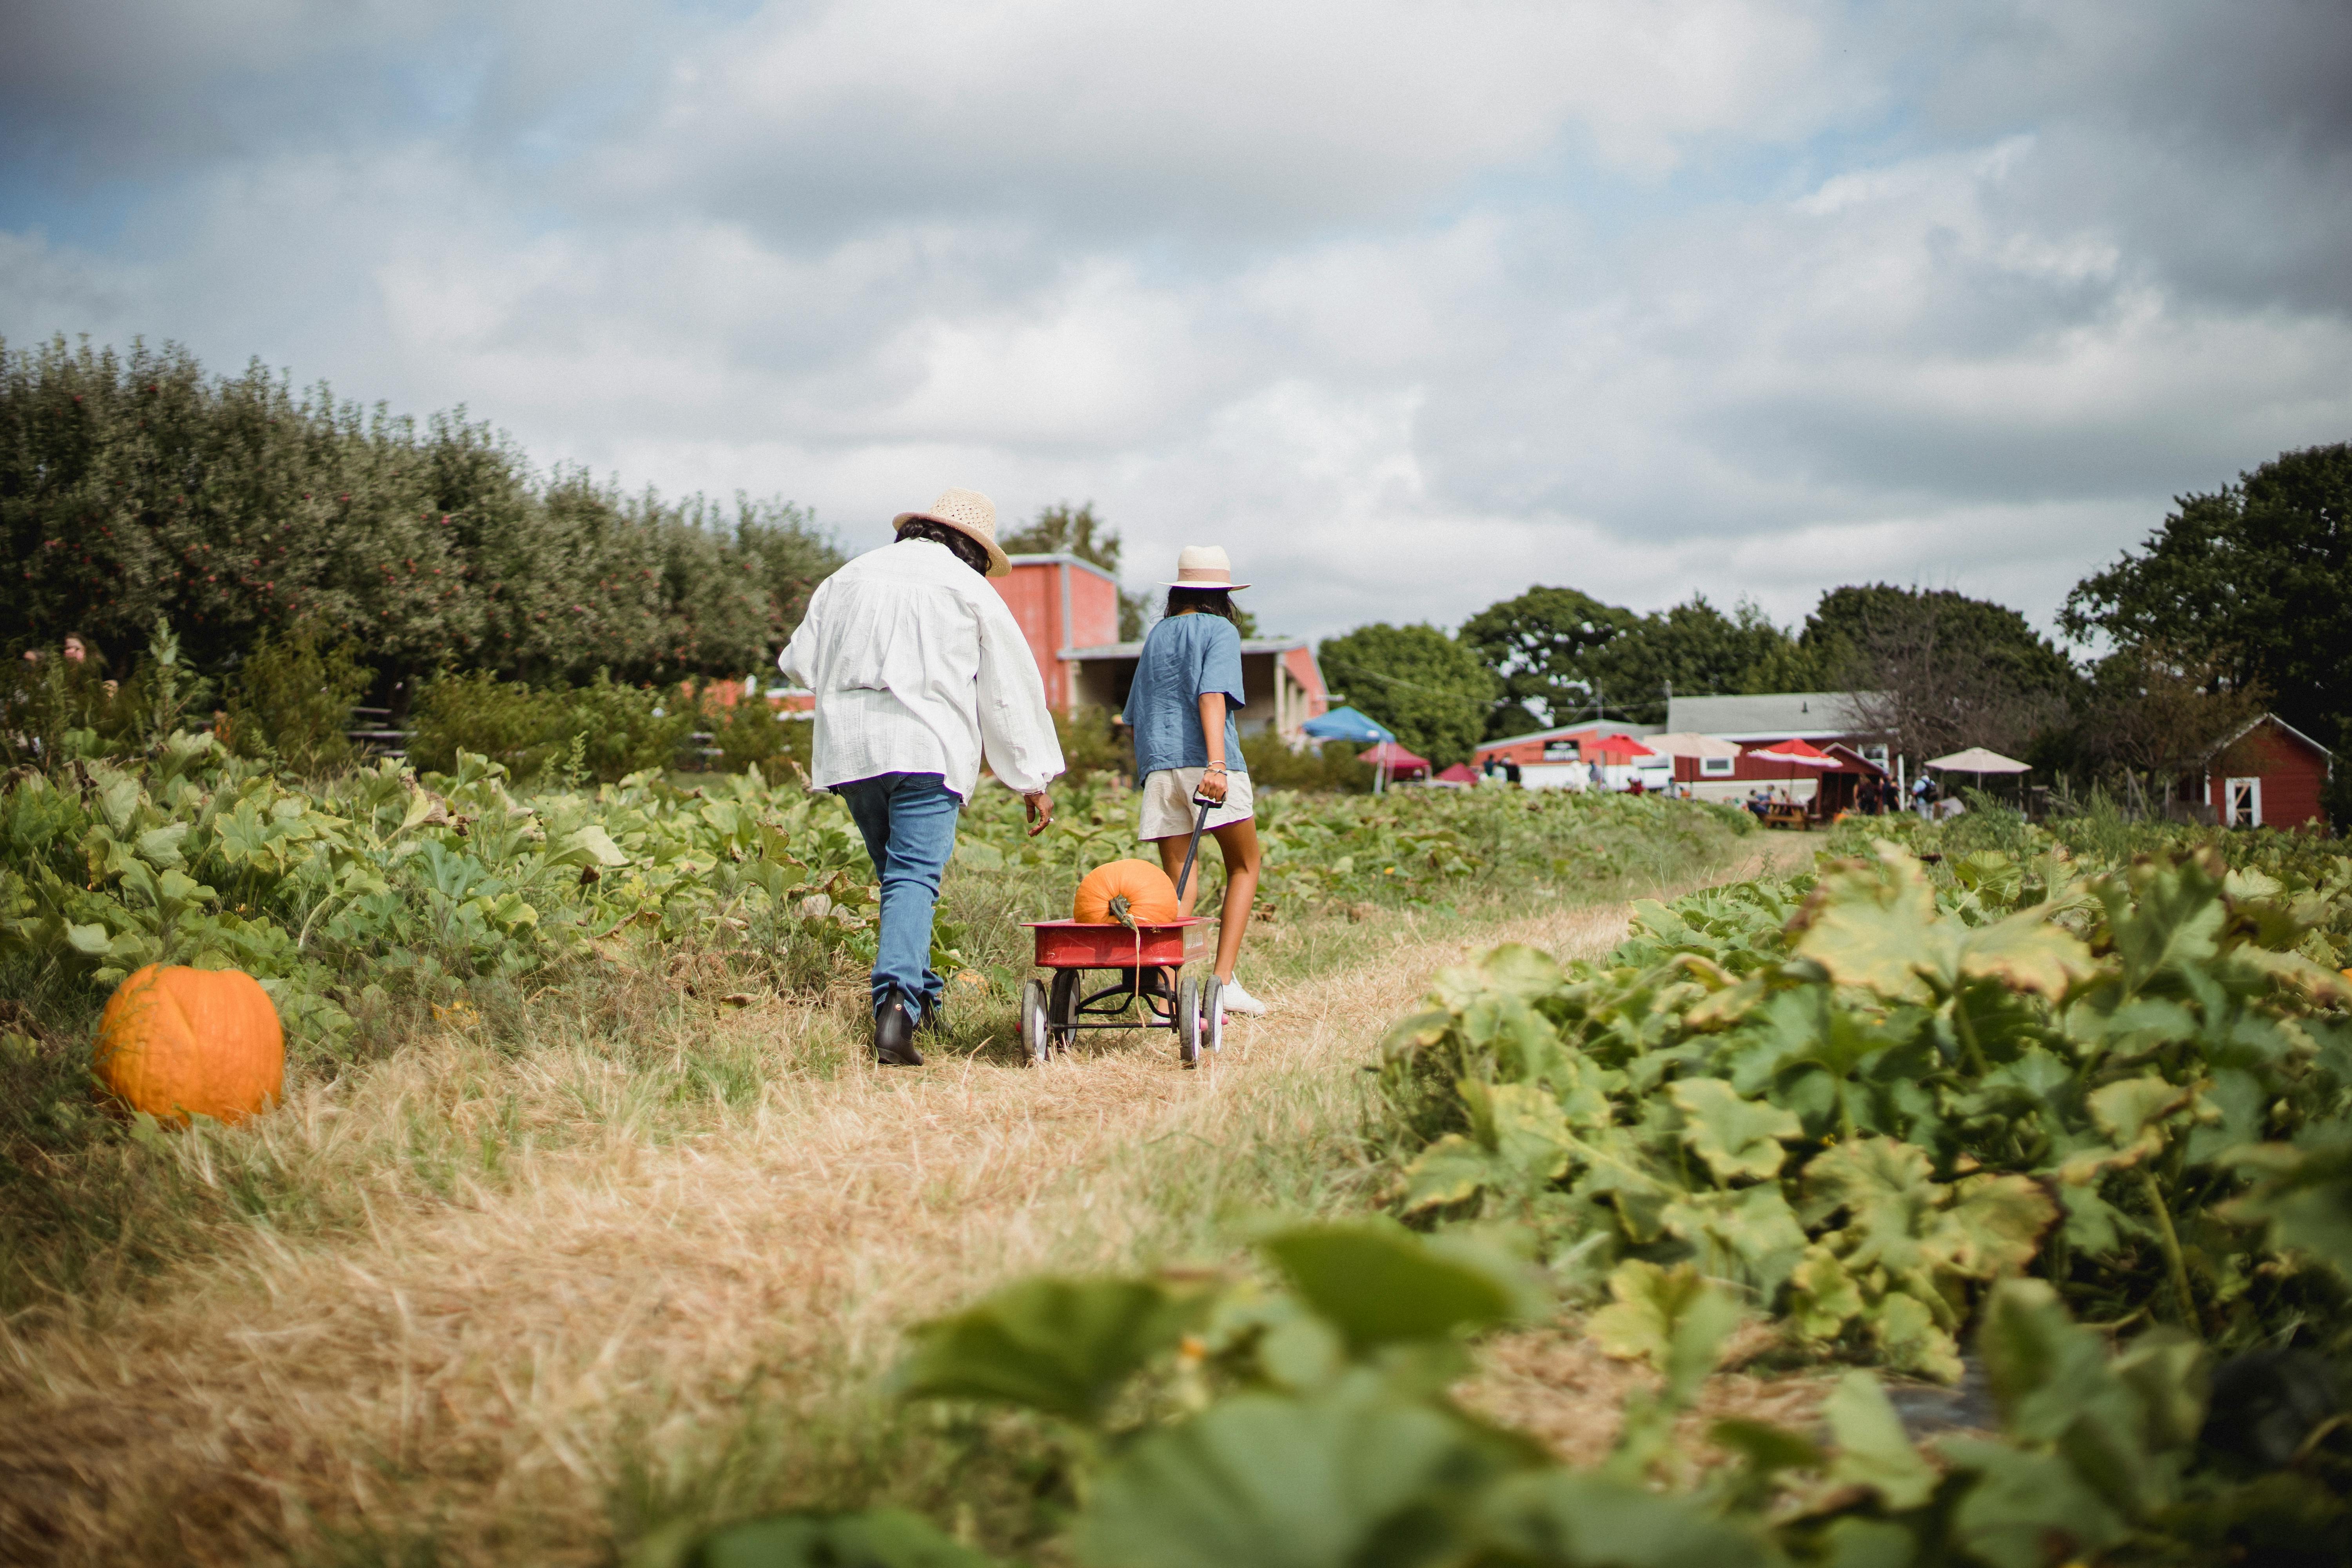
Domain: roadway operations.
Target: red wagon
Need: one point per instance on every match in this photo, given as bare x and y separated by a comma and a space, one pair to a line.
1052, 1017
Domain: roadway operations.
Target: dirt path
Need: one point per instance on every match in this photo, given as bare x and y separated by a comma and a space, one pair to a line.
469, 1364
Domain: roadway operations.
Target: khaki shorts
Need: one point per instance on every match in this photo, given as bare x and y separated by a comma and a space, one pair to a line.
1168, 808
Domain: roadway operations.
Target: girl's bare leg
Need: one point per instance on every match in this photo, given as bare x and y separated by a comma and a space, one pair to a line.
1237, 842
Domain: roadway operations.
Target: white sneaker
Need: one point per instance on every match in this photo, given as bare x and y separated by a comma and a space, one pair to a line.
1236, 1000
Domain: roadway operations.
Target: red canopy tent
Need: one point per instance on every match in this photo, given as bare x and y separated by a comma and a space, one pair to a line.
1393, 761
1459, 774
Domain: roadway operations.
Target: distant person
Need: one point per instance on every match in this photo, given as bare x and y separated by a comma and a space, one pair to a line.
1188, 686
919, 672
1511, 776
1923, 795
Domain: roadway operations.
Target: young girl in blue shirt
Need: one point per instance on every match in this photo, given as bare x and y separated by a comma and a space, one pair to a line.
1188, 685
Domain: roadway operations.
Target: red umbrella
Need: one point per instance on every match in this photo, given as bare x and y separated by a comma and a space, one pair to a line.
1797, 755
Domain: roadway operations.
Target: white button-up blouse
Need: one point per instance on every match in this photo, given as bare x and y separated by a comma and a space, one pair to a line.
919, 668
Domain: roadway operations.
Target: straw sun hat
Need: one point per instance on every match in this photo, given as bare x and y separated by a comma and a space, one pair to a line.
971, 513
1204, 566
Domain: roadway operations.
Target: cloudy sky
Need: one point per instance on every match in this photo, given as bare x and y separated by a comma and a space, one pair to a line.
1408, 304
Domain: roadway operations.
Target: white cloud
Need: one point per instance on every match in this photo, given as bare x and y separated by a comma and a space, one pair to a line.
1408, 305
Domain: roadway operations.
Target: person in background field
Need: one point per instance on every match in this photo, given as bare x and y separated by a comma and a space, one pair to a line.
919, 670
1187, 682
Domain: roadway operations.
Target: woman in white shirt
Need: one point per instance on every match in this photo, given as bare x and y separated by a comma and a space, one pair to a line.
919, 672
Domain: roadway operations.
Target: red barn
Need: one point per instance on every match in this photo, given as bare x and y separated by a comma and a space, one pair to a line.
2268, 774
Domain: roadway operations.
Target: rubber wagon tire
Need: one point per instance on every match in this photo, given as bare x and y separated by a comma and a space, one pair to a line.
1034, 1035
1188, 1022
1061, 1009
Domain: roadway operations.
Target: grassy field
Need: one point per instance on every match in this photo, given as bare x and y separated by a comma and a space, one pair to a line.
550, 1263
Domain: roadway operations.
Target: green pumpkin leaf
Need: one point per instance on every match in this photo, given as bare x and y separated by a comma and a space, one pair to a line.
1565, 1519
1908, 1335
2027, 1510
1380, 1284
1822, 1295
881, 1538
1522, 1126
2131, 1111
1518, 970
1671, 1317
1736, 1137
1063, 1346
1993, 1227
1450, 1171
1353, 1476
1872, 1449
1750, 1235
2303, 1195
2164, 915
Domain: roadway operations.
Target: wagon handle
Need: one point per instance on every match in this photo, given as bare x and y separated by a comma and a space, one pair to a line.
1193, 848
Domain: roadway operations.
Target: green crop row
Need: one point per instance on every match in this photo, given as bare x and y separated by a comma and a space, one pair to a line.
1307, 1422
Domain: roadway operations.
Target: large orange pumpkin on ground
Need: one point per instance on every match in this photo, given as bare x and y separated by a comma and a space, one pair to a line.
1150, 896
181, 1042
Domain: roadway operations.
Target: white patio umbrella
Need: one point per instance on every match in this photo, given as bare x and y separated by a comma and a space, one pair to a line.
1978, 760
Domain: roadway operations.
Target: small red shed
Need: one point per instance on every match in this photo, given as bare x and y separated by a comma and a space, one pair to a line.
2268, 774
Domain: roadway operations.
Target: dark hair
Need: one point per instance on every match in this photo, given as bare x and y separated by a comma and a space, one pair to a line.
1207, 601
967, 549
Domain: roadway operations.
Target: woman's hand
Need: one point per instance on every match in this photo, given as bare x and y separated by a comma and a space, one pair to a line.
1213, 787
1041, 812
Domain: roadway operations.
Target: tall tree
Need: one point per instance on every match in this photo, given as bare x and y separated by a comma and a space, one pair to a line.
1560, 655
1937, 671
1065, 529
1692, 647
2250, 583
1536, 648
1431, 690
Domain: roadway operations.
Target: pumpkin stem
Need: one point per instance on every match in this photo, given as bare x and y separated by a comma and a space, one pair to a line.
1122, 911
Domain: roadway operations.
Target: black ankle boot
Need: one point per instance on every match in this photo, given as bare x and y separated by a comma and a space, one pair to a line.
894, 1033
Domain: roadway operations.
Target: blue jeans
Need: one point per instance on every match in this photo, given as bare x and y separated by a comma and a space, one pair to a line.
908, 821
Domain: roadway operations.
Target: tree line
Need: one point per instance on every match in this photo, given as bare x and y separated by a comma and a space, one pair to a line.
2233, 607
134, 487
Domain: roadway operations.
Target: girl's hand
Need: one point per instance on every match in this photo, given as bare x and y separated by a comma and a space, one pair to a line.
1213, 787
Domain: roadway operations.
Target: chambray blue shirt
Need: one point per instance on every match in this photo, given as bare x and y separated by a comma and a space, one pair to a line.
1184, 659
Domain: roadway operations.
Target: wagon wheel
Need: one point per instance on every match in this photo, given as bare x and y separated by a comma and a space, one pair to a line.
1034, 1034
1188, 1021
1062, 1010
1212, 1013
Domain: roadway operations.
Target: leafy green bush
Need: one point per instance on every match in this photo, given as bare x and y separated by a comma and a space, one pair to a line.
602, 730
1092, 748
292, 699
750, 733
1864, 1097
1233, 1423
1330, 767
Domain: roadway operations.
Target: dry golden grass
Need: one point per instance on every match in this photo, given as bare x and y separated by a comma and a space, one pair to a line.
551, 1301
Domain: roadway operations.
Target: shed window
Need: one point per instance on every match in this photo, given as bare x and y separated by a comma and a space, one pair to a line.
1716, 767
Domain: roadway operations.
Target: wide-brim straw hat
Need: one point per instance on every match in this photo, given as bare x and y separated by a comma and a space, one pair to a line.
969, 513
1204, 566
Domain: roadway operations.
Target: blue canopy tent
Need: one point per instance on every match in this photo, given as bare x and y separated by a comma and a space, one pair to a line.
1346, 724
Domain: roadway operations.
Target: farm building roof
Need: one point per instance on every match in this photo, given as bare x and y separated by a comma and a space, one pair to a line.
1774, 716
